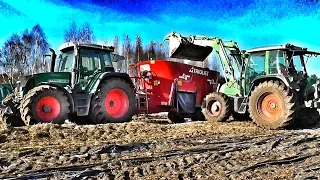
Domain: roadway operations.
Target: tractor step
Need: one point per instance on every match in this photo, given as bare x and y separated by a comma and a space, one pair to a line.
142, 103
82, 103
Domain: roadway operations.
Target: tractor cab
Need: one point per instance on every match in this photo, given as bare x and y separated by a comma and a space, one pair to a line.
286, 62
84, 61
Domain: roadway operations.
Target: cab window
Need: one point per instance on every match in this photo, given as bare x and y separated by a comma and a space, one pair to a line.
90, 60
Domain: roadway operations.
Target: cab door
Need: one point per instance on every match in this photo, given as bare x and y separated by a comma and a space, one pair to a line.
89, 66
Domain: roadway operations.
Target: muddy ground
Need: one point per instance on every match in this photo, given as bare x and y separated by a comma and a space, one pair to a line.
144, 149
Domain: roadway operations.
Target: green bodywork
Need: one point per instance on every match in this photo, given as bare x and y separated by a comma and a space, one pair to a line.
5, 90
61, 79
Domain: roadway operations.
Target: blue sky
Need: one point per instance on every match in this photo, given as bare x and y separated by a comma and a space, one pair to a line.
249, 22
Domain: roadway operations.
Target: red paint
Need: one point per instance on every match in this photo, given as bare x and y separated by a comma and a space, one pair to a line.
117, 103
49, 102
187, 86
167, 72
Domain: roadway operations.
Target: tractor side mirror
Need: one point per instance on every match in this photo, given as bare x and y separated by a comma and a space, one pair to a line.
245, 56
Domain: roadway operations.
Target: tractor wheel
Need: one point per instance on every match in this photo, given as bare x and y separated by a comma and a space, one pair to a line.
198, 115
113, 102
174, 117
13, 119
217, 107
45, 104
272, 106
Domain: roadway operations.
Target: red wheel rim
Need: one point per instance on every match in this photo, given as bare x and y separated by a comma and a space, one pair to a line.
48, 109
117, 103
214, 107
269, 106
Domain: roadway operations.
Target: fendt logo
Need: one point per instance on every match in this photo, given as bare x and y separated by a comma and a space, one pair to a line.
199, 71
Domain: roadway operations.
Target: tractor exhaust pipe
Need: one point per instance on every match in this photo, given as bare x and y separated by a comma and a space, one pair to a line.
53, 60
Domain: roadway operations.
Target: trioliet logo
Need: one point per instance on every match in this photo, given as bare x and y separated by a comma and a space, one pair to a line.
199, 71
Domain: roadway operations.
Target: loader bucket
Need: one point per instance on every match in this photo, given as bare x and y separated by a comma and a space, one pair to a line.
191, 52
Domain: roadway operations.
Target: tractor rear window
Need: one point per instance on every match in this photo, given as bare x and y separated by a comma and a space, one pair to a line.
107, 60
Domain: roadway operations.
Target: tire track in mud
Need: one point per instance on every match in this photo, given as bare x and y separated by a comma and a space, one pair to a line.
198, 157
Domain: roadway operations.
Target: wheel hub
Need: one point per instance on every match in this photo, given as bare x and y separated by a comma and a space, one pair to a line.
117, 103
111, 103
46, 108
273, 105
214, 108
269, 106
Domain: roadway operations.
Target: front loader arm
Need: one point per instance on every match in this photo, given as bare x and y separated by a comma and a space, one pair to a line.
196, 46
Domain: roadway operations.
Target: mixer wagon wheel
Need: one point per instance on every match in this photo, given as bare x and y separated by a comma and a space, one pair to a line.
198, 115
45, 104
114, 102
174, 117
217, 107
272, 106
13, 119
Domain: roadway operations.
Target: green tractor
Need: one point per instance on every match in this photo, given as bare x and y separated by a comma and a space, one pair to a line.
81, 84
270, 84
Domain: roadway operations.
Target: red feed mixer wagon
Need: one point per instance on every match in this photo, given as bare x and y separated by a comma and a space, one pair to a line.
177, 88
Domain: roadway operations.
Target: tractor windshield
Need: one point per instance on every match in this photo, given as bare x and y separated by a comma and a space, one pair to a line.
65, 61
295, 63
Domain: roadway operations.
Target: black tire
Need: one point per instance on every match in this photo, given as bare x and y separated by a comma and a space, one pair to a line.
272, 106
307, 117
9, 101
198, 115
13, 119
98, 109
174, 117
35, 97
223, 110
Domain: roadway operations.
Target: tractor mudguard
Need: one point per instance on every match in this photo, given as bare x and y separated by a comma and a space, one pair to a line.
61, 79
99, 78
260, 79
66, 92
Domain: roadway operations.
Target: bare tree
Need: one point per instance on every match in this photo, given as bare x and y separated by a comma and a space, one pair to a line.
84, 34
12, 55
19, 53
40, 46
138, 54
126, 50
159, 51
28, 42
71, 34
151, 51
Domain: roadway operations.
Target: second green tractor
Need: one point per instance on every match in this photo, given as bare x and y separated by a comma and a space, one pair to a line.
270, 84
